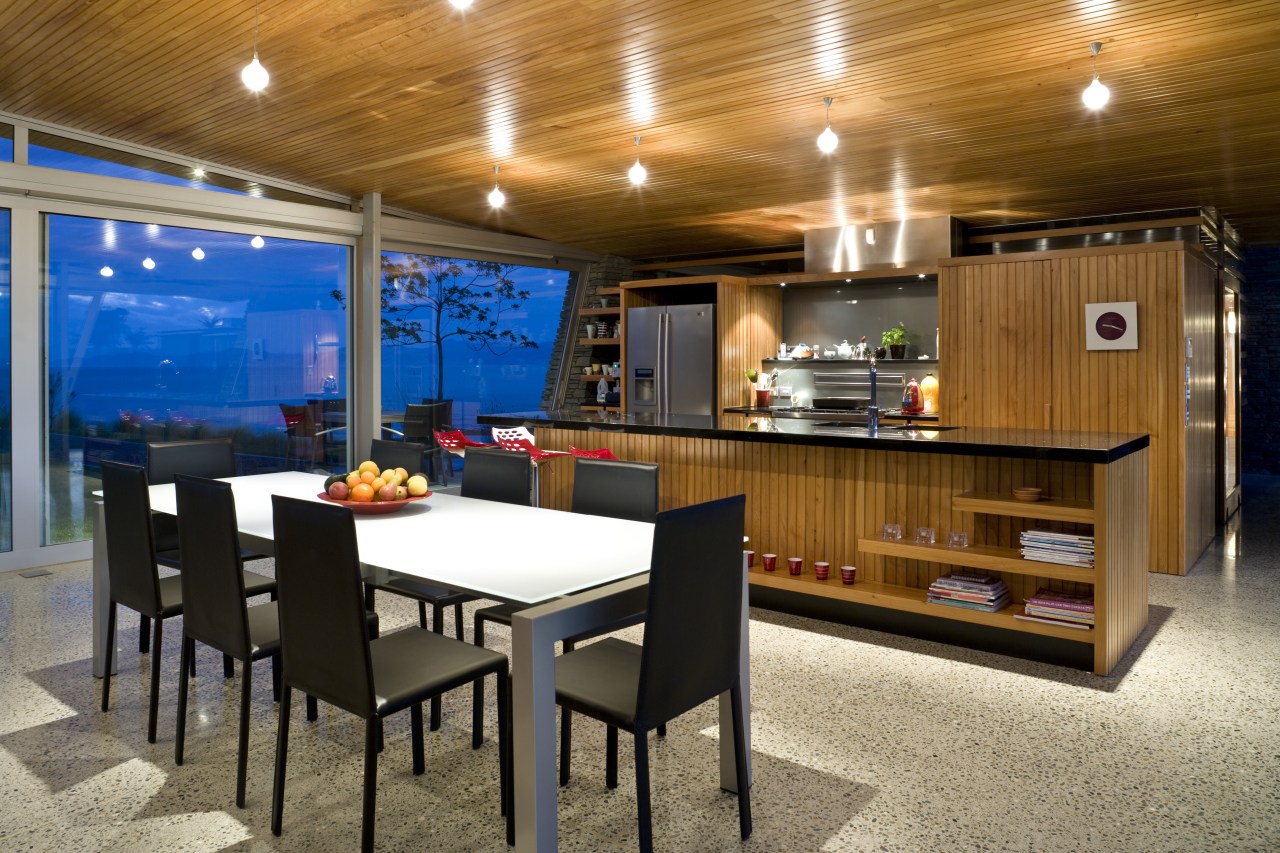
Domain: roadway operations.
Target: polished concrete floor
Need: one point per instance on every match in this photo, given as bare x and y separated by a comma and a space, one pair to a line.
862, 741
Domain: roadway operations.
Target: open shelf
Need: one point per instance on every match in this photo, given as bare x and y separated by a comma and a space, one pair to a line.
599, 312
911, 600
596, 377
988, 557
1054, 509
596, 407
598, 342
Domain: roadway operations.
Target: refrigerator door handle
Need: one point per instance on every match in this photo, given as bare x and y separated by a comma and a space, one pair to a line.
664, 363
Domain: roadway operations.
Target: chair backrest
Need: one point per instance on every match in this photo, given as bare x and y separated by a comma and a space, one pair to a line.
422, 420
397, 454
324, 638
212, 569
131, 547
514, 438
693, 630
299, 421
592, 453
444, 411
615, 488
497, 475
211, 458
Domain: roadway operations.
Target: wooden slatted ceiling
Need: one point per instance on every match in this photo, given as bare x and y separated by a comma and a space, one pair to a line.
966, 108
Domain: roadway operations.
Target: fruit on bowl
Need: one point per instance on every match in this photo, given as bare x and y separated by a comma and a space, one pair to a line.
368, 485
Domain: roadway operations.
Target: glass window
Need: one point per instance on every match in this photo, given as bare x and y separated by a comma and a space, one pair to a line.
57, 152
159, 333
6, 144
477, 335
6, 392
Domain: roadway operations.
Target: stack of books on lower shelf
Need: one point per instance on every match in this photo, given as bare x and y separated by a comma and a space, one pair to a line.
973, 591
1058, 608
1068, 549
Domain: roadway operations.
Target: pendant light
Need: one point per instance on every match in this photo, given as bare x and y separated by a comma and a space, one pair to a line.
147, 263
257, 242
1095, 97
827, 140
637, 173
253, 75
496, 198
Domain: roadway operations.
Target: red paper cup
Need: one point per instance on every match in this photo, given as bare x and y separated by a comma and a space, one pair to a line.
821, 570
794, 565
751, 558
770, 561
848, 573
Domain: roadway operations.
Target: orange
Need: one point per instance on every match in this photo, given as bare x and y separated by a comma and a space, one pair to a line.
369, 466
362, 492
368, 476
377, 483
353, 479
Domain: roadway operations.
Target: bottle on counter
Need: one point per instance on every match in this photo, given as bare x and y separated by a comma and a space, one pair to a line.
912, 402
929, 391
602, 389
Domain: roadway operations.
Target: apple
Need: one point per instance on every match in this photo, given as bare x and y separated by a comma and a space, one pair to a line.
417, 485
402, 474
388, 475
401, 493
339, 490
387, 493
369, 466
353, 479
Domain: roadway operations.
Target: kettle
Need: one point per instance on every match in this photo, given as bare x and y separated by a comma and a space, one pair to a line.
802, 351
844, 350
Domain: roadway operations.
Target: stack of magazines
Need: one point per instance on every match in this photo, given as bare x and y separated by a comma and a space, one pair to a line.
974, 591
1058, 608
1068, 549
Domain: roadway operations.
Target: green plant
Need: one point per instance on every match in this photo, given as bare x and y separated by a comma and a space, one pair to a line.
894, 336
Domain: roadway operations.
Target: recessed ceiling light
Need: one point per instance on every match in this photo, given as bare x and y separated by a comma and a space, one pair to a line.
197, 253
461, 4
198, 172
257, 242
106, 272
148, 263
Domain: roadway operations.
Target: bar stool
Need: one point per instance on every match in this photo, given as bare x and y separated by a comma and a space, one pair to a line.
456, 442
600, 453
520, 439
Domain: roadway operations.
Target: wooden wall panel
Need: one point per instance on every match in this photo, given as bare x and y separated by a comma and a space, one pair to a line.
1120, 593
1201, 487
1043, 296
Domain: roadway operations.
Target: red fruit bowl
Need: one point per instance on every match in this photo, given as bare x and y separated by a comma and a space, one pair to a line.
373, 507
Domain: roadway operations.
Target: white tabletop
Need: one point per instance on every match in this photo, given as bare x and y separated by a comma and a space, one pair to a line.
501, 551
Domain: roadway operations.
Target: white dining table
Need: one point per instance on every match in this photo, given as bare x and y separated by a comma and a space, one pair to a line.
590, 571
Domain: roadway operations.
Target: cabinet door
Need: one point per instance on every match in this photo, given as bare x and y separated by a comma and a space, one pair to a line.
996, 339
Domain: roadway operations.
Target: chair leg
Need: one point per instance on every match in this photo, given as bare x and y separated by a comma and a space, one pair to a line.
228, 667
275, 676
372, 734
566, 738
415, 729
422, 615
477, 699
662, 730
457, 622
180, 734
611, 757
740, 760
282, 759
109, 654
504, 751
369, 594
437, 625
242, 759
313, 709
157, 642
643, 814
144, 635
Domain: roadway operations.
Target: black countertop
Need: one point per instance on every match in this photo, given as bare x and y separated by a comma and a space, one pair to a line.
1067, 446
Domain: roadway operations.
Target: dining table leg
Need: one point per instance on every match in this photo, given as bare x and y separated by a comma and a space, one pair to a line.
101, 594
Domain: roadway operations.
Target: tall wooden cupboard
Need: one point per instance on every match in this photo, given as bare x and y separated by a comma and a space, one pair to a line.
1013, 339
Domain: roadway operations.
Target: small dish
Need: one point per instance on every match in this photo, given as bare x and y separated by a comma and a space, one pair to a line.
1027, 493
373, 507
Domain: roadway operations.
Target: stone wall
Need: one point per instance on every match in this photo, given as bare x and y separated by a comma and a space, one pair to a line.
1260, 359
606, 273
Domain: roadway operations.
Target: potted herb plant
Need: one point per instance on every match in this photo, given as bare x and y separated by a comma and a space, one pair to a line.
895, 339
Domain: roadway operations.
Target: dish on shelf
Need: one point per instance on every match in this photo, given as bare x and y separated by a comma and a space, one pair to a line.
1027, 493
373, 507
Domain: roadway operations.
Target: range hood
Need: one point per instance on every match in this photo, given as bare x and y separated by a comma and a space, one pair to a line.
881, 245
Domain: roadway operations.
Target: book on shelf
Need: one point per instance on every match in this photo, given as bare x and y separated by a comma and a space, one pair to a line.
1064, 615
1031, 617
972, 577
1076, 547
1061, 559
994, 606
1058, 537
964, 586
1046, 597
957, 595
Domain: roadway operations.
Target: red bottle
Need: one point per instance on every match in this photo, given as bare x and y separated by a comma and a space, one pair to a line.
912, 401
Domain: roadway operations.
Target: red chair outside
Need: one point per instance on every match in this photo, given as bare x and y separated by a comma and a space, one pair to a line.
520, 439
600, 453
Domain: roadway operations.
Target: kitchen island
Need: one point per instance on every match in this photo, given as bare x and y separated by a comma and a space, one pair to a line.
825, 491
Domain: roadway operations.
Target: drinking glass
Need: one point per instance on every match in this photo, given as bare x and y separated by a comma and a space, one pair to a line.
957, 539
925, 535
892, 532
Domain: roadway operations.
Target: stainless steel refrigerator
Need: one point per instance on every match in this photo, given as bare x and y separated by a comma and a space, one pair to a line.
671, 359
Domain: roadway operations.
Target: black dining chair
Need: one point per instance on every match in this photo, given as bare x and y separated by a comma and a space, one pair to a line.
611, 488
421, 421
690, 654
207, 457
135, 579
327, 651
406, 454
216, 612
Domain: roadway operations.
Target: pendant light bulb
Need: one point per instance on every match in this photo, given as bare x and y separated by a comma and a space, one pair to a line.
106, 272
637, 173
827, 140
257, 242
197, 253
254, 75
496, 198
1095, 97
147, 263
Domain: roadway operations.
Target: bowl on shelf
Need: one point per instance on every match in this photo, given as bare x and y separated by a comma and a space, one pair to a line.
1027, 493
373, 507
